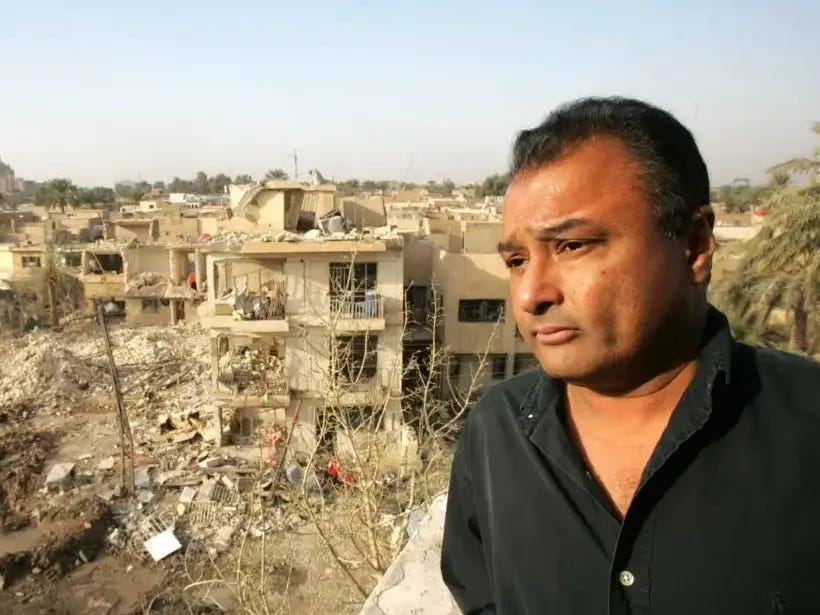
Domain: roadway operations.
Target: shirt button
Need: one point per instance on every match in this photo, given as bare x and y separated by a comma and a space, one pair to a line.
626, 578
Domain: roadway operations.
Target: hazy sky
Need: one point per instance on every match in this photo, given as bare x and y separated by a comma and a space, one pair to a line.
106, 90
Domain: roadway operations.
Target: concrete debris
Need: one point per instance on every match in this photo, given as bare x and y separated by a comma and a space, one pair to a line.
294, 474
148, 283
142, 478
106, 464
213, 462
222, 538
144, 496
162, 544
186, 437
187, 496
60, 475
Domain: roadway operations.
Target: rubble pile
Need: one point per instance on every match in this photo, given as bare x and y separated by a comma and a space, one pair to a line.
330, 230
148, 282
267, 304
58, 372
187, 488
253, 371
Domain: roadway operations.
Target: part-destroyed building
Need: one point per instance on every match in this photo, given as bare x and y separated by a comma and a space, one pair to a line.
306, 330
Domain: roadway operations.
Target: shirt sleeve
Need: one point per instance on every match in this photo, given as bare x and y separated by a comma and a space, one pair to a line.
463, 566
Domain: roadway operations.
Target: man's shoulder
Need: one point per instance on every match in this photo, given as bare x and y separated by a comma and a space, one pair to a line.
781, 377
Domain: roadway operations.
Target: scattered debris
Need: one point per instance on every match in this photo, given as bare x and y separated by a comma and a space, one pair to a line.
60, 475
160, 540
142, 478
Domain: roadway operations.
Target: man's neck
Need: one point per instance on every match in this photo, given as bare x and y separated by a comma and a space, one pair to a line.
652, 402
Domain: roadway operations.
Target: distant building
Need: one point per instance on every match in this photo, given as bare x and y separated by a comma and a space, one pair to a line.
8, 183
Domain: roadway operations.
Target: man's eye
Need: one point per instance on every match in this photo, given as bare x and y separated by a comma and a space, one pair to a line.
571, 245
514, 262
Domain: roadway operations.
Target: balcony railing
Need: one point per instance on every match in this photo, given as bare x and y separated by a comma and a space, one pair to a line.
357, 306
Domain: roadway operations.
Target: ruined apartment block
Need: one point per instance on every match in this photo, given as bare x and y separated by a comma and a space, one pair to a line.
305, 330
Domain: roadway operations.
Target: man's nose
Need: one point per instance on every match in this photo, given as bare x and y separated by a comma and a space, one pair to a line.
537, 288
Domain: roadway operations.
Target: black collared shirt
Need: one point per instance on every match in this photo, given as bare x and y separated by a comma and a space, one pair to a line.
726, 519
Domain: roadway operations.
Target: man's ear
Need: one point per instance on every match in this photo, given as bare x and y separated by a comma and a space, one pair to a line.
701, 245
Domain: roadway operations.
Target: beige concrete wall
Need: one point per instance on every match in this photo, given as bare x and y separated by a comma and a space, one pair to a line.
6, 263
136, 316
363, 213
450, 243
128, 232
146, 258
103, 286
172, 227
271, 209
482, 237
35, 232
309, 371
473, 276
19, 273
403, 224
252, 273
419, 254
209, 225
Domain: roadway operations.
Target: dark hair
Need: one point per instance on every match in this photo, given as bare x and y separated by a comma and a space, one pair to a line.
675, 176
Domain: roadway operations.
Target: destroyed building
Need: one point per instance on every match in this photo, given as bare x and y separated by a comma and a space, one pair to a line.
293, 322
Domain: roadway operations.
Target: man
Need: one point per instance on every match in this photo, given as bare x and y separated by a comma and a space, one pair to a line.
652, 464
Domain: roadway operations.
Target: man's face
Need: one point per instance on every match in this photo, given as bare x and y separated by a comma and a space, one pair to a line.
593, 281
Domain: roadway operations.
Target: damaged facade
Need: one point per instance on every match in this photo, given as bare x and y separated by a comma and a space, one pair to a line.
304, 329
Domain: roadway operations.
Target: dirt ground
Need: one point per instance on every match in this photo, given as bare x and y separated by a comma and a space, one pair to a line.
57, 552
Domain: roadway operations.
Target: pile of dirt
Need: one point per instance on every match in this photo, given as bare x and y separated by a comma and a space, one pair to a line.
22, 457
57, 367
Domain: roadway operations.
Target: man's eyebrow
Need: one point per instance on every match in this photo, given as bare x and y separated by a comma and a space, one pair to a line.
509, 245
551, 231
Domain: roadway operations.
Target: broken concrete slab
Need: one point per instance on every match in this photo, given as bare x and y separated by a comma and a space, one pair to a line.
412, 583
60, 475
142, 478
222, 538
212, 462
186, 437
106, 464
162, 545
144, 496
187, 496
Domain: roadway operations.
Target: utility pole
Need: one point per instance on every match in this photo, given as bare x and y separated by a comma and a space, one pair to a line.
295, 166
126, 440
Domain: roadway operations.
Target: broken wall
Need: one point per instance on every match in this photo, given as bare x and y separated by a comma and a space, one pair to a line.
363, 213
142, 259
147, 312
177, 227
129, 232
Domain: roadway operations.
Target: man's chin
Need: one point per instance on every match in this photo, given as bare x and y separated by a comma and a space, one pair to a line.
564, 364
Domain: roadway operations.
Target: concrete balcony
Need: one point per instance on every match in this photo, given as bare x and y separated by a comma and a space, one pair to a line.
248, 311
358, 311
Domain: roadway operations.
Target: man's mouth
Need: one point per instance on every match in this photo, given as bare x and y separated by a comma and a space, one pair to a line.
554, 335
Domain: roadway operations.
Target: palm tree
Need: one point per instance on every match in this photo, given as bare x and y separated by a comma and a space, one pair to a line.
276, 174
797, 166
780, 268
62, 191
781, 265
